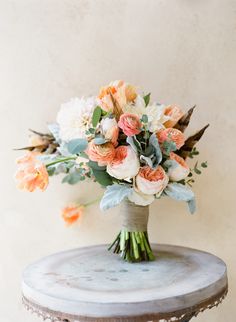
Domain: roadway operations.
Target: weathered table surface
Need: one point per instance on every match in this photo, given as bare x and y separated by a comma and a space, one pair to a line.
91, 284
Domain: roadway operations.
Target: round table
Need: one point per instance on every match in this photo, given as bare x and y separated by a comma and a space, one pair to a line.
92, 284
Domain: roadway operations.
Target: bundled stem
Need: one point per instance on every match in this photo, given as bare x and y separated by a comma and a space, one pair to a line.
133, 246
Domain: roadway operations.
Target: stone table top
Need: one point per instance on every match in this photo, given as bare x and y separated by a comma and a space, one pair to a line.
92, 284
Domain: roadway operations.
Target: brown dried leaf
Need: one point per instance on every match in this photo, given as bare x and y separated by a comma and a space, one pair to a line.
191, 142
184, 121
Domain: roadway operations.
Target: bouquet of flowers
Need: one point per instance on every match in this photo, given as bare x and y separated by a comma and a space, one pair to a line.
136, 149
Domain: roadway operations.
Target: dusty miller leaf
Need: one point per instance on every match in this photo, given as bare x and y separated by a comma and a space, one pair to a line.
114, 195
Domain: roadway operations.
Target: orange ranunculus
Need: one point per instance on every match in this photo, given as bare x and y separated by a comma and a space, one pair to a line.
171, 135
119, 91
72, 213
130, 124
174, 113
31, 173
103, 153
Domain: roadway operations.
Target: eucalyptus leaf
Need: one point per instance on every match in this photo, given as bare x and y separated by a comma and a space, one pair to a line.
99, 140
63, 149
114, 195
72, 178
96, 115
169, 146
204, 164
196, 170
76, 146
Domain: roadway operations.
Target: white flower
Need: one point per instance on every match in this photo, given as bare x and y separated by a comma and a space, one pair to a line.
125, 164
155, 113
141, 199
75, 118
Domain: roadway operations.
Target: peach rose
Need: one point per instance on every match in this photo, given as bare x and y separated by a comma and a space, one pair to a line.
179, 169
174, 113
171, 135
151, 181
125, 163
121, 92
130, 124
110, 130
72, 213
31, 173
102, 153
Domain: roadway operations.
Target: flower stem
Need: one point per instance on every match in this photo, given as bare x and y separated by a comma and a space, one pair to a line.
92, 202
60, 160
133, 246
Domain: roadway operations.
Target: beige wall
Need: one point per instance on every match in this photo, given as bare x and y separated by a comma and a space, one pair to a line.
182, 51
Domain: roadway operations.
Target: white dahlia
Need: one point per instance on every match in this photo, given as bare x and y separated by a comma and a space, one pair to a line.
155, 113
75, 118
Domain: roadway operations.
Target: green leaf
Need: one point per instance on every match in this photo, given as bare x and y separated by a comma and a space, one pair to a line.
144, 118
94, 165
147, 99
204, 164
51, 171
96, 115
113, 195
193, 153
102, 177
76, 146
157, 150
196, 170
92, 130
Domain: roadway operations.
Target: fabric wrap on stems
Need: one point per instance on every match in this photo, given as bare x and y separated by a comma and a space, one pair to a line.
135, 218
132, 242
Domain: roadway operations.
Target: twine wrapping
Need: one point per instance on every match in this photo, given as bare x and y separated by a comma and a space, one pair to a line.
135, 218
